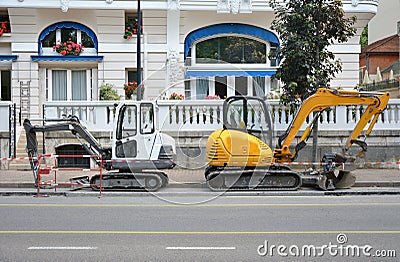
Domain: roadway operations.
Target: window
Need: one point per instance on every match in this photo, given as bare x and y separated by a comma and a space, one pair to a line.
225, 86
126, 127
259, 86
64, 31
231, 49
147, 119
221, 87
82, 162
250, 115
202, 86
132, 75
131, 22
241, 86
68, 84
5, 82
127, 122
273, 54
5, 26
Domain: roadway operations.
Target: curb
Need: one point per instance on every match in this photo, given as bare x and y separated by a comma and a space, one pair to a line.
209, 194
203, 184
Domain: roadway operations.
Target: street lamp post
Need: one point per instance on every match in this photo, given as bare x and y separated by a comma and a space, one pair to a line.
138, 51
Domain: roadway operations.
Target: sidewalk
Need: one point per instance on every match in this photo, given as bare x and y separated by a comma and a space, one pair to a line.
190, 178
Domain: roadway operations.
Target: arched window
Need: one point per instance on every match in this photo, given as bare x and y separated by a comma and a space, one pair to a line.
64, 31
230, 59
231, 49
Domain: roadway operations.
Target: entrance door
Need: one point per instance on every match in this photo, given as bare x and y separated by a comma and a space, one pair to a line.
5, 78
221, 87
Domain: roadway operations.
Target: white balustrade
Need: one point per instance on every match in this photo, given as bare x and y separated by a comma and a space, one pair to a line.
206, 115
4, 112
95, 115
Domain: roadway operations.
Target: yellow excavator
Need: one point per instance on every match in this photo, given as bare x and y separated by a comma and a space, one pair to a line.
239, 156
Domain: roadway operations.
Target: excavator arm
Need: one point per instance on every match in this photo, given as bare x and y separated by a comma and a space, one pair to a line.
70, 123
317, 103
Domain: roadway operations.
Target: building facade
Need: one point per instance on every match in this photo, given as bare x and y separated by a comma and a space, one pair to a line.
175, 34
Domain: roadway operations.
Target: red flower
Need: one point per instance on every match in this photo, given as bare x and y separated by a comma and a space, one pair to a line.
175, 96
68, 48
131, 89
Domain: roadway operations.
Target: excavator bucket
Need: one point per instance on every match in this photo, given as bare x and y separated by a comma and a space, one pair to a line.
345, 179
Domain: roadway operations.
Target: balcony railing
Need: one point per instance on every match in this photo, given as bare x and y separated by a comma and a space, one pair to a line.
386, 84
206, 115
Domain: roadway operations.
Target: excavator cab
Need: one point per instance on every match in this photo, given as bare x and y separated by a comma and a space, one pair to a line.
248, 114
137, 141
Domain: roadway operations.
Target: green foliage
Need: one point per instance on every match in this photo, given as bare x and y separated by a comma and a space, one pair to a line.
306, 28
108, 93
364, 37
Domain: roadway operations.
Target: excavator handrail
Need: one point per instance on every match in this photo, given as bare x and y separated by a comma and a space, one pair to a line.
318, 102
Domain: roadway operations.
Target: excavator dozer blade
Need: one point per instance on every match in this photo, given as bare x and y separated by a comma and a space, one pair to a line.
345, 180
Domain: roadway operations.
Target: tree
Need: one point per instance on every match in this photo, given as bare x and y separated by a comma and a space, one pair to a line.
306, 28
364, 37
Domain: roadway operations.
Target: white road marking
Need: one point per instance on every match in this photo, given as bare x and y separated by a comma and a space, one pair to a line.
200, 248
61, 248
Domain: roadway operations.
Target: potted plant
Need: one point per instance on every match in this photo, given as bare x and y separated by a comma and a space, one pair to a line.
131, 89
131, 30
108, 93
68, 48
4, 27
175, 96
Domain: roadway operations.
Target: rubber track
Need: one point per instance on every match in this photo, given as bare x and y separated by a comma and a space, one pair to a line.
283, 173
95, 180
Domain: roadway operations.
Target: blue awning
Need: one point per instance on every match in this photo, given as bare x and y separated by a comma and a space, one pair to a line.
206, 73
68, 25
8, 57
66, 58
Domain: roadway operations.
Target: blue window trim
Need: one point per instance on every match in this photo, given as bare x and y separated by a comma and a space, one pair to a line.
209, 73
228, 28
68, 25
8, 57
65, 58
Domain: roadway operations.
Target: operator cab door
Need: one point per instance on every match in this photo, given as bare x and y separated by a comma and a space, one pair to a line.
135, 132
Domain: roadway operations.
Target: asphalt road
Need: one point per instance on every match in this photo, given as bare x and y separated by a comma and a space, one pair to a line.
225, 228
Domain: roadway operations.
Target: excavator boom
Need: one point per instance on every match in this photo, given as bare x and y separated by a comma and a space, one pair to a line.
321, 100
